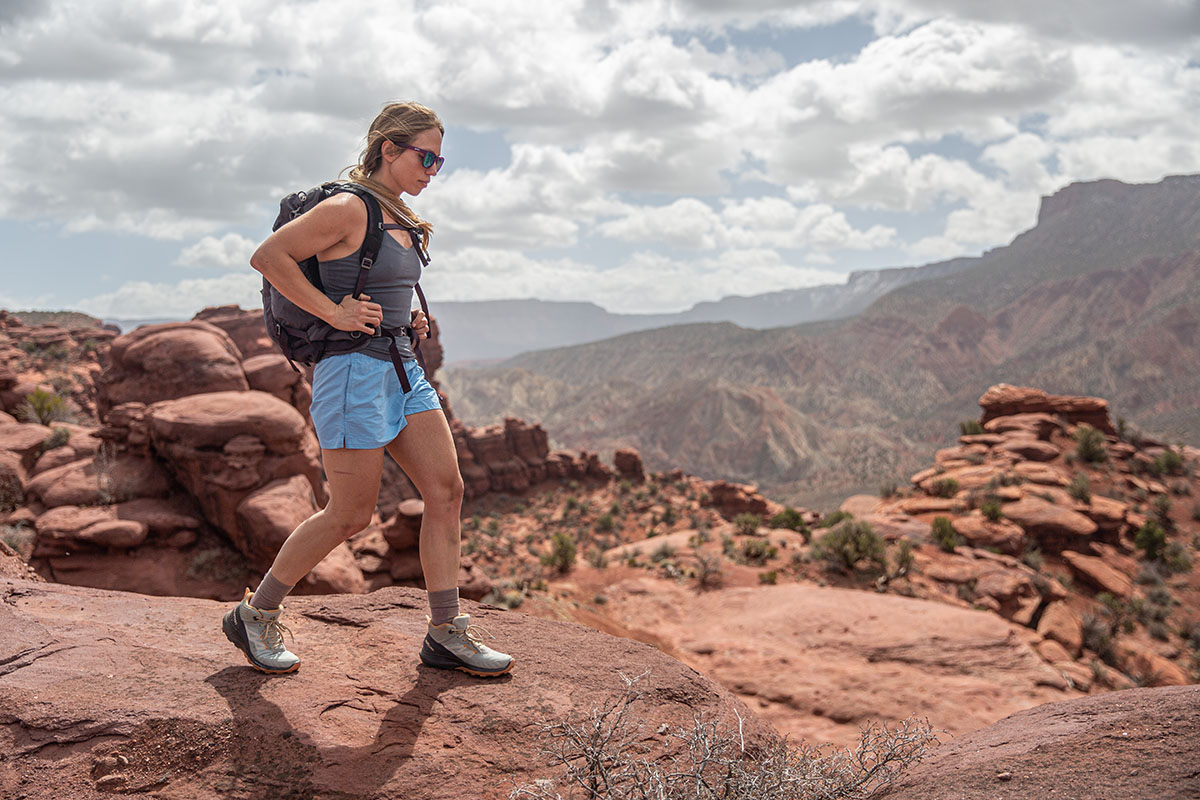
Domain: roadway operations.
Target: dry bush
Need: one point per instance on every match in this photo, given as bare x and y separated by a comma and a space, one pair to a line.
606, 756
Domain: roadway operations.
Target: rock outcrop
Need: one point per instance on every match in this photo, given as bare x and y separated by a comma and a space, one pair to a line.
1135, 743
105, 692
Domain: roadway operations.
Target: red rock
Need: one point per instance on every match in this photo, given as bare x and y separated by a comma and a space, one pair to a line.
245, 328
1039, 426
164, 362
970, 476
361, 718
963, 453
1099, 574
404, 529
982, 438
1054, 527
493, 451
54, 458
1122, 744
159, 515
1053, 652
120, 533
1030, 449
1044, 474
338, 573
893, 527
1107, 513
1005, 400
1061, 624
628, 463
13, 566
268, 515
1003, 534
97, 480
951, 568
24, 439
530, 444
1155, 670
925, 505
732, 499
860, 505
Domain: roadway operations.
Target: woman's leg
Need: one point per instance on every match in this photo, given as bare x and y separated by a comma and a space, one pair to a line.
425, 451
353, 491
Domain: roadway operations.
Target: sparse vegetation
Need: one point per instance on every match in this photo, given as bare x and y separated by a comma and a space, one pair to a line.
1168, 462
1151, 539
769, 577
1033, 559
747, 524
709, 574
43, 407
1090, 445
834, 518
1098, 637
944, 487
970, 427
606, 755
756, 552
849, 543
605, 523
991, 509
562, 552
943, 534
1081, 488
791, 519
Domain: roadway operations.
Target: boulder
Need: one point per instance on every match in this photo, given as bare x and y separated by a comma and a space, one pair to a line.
267, 515
173, 360
1153, 669
1099, 574
1044, 474
1030, 449
1036, 426
732, 499
25, 439
100, 480
1003, 534
1061, 624
245, 327
144, 696
403, 531
1005, 400
1053, 526
628, 463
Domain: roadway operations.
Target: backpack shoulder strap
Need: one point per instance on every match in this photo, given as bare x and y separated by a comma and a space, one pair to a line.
374, 236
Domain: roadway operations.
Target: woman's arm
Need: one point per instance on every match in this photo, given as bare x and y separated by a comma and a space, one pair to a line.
332, 226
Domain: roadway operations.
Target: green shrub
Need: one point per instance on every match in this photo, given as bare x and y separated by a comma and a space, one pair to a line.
834, 519
708, 570
1161, 509
747, 524
944, 487
970, 427
887, 489
596, 558
791, 519
1151, 539
903, 560
769, 577
991, 509
1090, 445
1168, 462
756, 552
562, 552
1081, 488
605, 523
1098, 637
43, 407
662, 553
943, 534
850, 542
1176, 559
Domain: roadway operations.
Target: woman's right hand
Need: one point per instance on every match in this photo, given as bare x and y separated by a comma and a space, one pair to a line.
357, 315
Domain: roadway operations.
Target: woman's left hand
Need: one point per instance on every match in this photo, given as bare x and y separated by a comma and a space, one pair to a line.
420, 324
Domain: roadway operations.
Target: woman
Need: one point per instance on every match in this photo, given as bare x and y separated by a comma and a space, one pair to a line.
359, 408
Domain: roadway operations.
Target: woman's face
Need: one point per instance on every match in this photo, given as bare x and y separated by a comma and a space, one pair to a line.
406, 167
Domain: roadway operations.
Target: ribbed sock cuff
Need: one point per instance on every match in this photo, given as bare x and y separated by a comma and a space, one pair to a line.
443, 605
270, 593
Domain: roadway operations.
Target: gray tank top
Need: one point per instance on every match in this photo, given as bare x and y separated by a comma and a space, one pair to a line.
389, 283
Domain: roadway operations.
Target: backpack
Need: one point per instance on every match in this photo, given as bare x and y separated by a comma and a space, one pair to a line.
304, 337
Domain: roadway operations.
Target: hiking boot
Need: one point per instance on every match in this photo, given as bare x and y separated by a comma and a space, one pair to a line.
259, 634
456, 645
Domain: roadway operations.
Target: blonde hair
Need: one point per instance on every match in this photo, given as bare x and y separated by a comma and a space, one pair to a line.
398, 123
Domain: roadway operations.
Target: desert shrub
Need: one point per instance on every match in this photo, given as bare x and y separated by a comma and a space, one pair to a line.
669, 515
944, 487
596, 558
1161, 510
562, 552
1033, 558
768, 577
747, 524
902, 562
943, 534
1098, 637
43, 407
756, 552
1159, 630
970, 427
662, 553
888, 488
572, 504
708, 570
991, 509
1090, 445
1176, 559
57, 438
1081, 488
1181, 488
607, 755
1152, 539
790, 518
493, 527
848, 544
12, 494
1168, 462
835, 518
605, 523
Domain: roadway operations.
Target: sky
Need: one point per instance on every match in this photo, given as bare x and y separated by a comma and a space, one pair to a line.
643, 155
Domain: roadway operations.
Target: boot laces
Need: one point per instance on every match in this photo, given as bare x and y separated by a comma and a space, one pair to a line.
272, 634
473, 634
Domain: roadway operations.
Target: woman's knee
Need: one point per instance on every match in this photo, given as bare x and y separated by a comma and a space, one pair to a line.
346, 523
444, 493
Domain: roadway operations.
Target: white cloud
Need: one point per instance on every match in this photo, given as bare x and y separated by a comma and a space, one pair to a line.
229, 251
143, 299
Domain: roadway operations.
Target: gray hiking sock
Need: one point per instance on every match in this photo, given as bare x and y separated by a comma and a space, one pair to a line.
443, 605
270, 593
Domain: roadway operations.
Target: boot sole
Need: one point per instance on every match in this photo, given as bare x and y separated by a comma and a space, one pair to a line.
230, 627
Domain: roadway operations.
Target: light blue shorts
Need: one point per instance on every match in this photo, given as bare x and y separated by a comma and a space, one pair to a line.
357, 401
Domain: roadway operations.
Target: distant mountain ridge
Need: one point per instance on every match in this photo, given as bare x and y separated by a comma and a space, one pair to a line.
1101, 298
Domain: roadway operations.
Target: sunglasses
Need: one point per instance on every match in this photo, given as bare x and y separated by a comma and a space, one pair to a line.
428, 158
